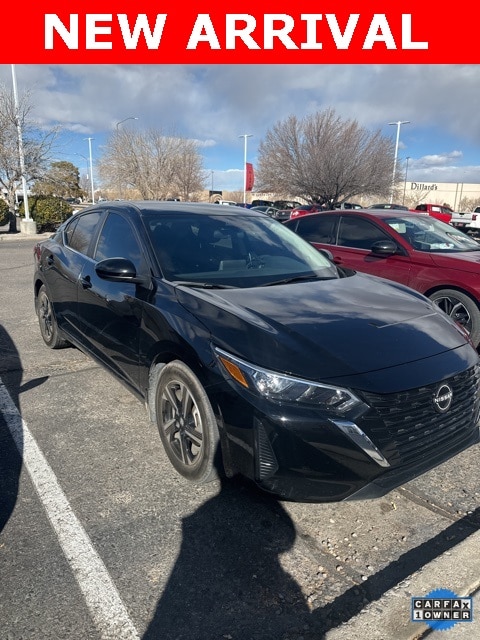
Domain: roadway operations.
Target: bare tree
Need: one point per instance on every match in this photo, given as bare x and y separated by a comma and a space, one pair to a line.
322, 158
37, 144
158, 166
468, 204
189, 175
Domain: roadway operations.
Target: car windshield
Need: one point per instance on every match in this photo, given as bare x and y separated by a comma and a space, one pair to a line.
428, 234
232, 251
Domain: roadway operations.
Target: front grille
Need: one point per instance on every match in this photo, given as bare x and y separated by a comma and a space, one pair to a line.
406, 427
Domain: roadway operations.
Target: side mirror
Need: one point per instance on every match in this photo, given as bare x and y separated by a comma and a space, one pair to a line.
118, 270
328, 254
384, 248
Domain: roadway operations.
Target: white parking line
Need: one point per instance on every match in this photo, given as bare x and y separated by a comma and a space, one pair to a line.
103, 600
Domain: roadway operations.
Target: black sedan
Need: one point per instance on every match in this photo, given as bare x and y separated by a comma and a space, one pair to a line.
256, 355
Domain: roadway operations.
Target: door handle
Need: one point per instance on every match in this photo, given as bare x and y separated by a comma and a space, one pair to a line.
86, 282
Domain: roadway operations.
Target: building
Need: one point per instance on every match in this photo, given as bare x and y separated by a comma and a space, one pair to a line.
458, 195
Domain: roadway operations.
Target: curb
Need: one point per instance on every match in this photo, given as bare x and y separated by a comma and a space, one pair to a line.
8, 237
389, 617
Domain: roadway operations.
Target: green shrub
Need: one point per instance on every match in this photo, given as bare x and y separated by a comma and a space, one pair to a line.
47, 211
4, 212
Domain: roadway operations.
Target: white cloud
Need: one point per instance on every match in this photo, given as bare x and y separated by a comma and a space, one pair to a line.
215, 104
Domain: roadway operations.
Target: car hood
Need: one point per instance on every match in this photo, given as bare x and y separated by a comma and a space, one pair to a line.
463, 261
324, 329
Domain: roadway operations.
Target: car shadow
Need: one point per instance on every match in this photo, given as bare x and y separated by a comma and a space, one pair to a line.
11, 425
10, 454
228, 582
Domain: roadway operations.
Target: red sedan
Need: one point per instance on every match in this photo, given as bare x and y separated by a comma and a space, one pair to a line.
417, 250
305, 209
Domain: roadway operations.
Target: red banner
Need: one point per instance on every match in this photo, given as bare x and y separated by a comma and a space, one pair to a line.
249, 176
269, 32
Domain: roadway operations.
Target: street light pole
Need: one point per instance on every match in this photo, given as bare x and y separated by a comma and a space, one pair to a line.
405, 183
124, 120
91, 168
20, 144
245, 136
398, 124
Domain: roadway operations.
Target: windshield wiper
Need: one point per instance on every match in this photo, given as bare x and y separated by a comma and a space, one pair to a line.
297, 279
202, 285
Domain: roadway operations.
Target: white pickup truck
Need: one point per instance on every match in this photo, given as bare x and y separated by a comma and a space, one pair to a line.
468, 221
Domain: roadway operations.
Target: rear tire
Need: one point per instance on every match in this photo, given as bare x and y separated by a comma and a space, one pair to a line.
47, 321
187, 424
460, 308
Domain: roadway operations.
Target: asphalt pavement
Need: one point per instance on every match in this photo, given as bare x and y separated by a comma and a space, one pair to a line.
388, 617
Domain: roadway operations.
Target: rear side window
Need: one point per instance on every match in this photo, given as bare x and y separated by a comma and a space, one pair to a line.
79, 233
359, 233
317, 228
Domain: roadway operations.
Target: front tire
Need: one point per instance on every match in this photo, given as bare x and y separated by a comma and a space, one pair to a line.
460, 308
47, 321
187, 424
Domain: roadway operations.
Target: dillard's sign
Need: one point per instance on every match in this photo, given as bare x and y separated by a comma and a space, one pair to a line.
423, 187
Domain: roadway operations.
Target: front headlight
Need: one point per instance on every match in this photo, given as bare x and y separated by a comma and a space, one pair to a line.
279, 387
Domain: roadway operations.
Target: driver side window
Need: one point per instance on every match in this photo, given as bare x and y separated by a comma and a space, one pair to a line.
117, 240
359, 233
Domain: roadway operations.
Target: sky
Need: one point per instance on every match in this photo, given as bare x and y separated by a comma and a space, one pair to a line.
217, 105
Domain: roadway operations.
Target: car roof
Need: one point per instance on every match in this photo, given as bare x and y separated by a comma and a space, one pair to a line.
374, 213
387, 205
146, 207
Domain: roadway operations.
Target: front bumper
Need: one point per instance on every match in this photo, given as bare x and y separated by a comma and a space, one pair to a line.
299, 455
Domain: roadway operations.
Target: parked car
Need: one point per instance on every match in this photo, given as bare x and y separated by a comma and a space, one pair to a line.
438, 211
286, 204
388, 205
348, 205
282, 214
270, 211
254, 354
305, 209
273, 212
468, 221
416, 250
262, 203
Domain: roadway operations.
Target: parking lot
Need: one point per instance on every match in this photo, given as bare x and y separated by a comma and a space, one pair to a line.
100, 538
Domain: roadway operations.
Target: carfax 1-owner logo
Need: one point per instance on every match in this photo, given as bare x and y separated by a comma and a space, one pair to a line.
441, 609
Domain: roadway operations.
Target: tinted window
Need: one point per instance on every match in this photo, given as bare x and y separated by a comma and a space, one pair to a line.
359, 233
238, 251
317, 228
117, 240
79, 233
